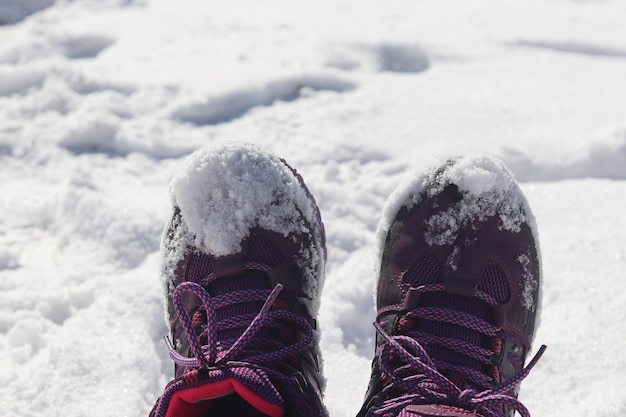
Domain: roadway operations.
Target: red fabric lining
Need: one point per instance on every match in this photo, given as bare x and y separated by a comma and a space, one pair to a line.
194, 401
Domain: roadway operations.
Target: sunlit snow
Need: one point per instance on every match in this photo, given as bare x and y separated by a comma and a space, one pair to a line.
100, 101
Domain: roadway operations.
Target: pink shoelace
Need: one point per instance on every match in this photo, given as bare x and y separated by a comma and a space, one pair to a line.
250, 349
418, 379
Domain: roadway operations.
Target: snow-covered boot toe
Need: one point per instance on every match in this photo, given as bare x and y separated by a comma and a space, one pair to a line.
458, 294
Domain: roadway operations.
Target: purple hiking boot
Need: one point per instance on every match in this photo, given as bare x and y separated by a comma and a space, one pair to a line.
458, 295
243, 267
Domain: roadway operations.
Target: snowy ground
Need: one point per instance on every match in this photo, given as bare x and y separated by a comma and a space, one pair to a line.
100, 99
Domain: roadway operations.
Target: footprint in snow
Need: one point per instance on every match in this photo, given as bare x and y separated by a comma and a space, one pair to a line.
232, 105
82, 46
572, 47
384, 57
14, 11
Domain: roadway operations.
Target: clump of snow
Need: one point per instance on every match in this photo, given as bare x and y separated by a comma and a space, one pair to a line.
224, 191
474, 178
91, 131
488, 189
530, 283
453, 259
27, 337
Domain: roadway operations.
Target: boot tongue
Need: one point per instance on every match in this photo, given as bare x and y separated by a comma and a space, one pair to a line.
236, 390
428, 270
246, 280
257, 249
224, 392
459, 303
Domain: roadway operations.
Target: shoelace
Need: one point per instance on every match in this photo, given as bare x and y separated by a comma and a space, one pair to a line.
267, 355
420, 379
463, 347
207, 356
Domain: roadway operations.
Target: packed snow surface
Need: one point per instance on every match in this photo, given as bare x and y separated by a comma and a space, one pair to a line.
101, 100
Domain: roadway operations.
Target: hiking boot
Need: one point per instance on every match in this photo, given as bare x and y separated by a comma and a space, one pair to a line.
243, 266
458, 295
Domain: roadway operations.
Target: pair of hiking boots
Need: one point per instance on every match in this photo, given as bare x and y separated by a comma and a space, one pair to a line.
243, 267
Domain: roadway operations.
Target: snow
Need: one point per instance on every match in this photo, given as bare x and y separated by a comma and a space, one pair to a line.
530, 284
100, 101
488, 188
226, 190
